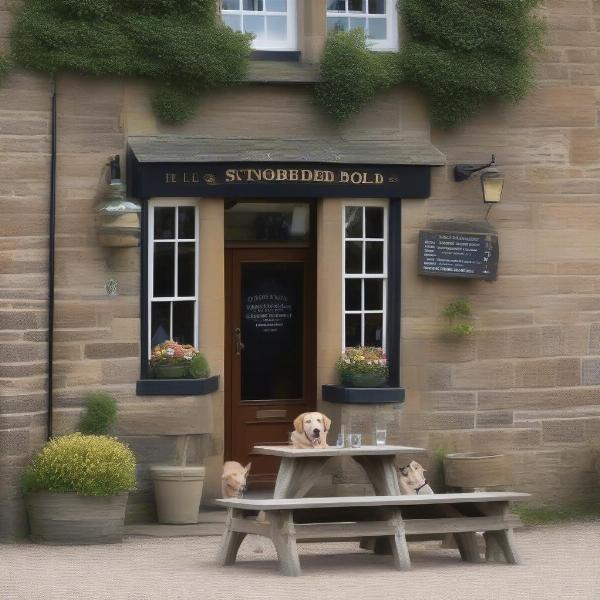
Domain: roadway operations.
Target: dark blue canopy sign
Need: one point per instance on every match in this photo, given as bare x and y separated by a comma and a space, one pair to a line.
455, 254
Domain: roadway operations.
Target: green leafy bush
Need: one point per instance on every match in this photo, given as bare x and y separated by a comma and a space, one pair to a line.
89, 465
180, 44
457, 312
199, 367
100, 414
351, 75
462, 54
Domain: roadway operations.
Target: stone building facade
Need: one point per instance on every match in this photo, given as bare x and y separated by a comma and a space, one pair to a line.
527, 382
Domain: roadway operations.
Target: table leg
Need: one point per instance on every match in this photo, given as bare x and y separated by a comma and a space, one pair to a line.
231, 540
297, 475
381, 471
283, 535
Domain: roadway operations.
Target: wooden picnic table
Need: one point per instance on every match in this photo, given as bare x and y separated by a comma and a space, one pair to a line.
300, 467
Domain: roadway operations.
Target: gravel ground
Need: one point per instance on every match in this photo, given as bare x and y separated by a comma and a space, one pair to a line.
561, 563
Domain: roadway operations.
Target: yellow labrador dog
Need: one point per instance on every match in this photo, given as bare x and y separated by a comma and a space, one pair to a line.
310, 430
233, 480
412, 480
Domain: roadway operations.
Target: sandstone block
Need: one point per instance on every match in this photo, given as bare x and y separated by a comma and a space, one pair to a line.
111, 350
590, 371
483, 375
494, 419
563, 431
560, 372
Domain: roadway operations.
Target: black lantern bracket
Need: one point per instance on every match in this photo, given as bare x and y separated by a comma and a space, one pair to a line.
464, 172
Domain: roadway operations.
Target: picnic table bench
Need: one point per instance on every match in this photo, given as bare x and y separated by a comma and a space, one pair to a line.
393, 518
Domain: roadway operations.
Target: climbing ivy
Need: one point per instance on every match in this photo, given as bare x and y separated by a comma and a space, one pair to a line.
179, 44
461, 54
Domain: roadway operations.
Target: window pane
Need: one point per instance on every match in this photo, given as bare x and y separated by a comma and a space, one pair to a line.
373, 330
374, 257
233, 21
337, 5
164, 269
354, 221
374, 216
183, 322
267, 221
276, 5
353, 324
164, 223
377, 7
252, 4
256, 25
356, 5
337, 24
354, 257
358, 24
353, 294
377, 29
160, 323
231, 4
186, 276
373, 294
187, 224
277, 28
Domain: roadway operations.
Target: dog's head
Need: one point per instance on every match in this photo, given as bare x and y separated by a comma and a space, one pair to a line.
314, 425
413, 475
234, 479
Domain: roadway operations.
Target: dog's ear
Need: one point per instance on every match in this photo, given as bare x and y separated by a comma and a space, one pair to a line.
299, 423
327, 422
248, 467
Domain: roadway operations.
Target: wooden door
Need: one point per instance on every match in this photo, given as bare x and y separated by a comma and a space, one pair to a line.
270, 350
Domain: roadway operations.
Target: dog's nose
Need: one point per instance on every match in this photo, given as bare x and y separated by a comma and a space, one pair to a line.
316, 431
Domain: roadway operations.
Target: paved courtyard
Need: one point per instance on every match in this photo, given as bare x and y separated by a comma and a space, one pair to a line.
562, 562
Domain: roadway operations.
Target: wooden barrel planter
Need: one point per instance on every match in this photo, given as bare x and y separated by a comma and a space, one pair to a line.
69, 518
476, 470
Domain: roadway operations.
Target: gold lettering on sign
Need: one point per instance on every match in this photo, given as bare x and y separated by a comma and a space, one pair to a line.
250, 175
171, 178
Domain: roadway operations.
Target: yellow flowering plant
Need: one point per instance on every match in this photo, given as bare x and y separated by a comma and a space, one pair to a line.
363, 366
89, 465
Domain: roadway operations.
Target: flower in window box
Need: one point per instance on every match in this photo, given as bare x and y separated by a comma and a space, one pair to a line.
363, 367
171, 360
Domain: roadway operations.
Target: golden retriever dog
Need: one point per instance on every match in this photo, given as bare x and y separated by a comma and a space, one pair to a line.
310, 430
412, 480
233, 480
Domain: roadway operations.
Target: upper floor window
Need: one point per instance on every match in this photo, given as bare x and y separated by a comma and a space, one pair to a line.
273, 22
379, 19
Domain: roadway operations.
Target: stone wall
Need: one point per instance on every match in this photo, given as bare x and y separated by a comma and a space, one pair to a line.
527, 382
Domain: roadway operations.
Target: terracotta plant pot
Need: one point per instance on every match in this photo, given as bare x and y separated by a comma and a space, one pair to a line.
476, 470
363, 380
169, 371
178, 492
68, 518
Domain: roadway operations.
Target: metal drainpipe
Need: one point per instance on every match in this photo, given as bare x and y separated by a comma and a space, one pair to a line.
51, 252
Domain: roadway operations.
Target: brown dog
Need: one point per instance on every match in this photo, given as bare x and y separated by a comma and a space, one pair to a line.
310, 430
412, 480
233, 480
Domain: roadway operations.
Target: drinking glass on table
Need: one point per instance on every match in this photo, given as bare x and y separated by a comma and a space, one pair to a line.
355, 440
380, 437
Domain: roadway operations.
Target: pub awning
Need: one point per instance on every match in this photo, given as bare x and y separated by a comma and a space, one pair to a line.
294, 167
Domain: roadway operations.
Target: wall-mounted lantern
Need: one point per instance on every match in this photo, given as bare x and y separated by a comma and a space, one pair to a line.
492, 179
119, 216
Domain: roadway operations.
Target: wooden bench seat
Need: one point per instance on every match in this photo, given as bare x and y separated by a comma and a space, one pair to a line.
388, 518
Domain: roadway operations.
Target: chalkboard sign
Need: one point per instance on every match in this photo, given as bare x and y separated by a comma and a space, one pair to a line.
457, 254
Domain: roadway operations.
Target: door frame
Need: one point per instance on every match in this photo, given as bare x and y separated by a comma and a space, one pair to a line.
267, 252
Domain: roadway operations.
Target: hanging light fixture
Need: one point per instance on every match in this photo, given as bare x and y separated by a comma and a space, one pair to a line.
492, 179
119, 216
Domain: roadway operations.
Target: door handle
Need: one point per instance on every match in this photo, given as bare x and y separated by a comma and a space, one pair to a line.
237, 340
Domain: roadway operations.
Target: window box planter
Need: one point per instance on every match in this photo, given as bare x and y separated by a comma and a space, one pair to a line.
169, 371
339, 394
363, 380
177, 387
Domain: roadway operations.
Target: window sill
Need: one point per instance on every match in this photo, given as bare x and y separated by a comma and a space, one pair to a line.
177, 387
344, 395
277, 55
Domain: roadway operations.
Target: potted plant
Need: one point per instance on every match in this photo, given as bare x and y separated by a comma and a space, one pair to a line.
171, 360
76, 489
474, 470
363, 367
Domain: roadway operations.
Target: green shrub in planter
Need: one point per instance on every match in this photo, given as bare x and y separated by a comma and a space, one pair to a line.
100, 414
89, 465
199, 368
363, 367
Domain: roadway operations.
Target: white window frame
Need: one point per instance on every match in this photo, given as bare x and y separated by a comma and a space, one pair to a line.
152, 205
291, 41
383, 276
391, 41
